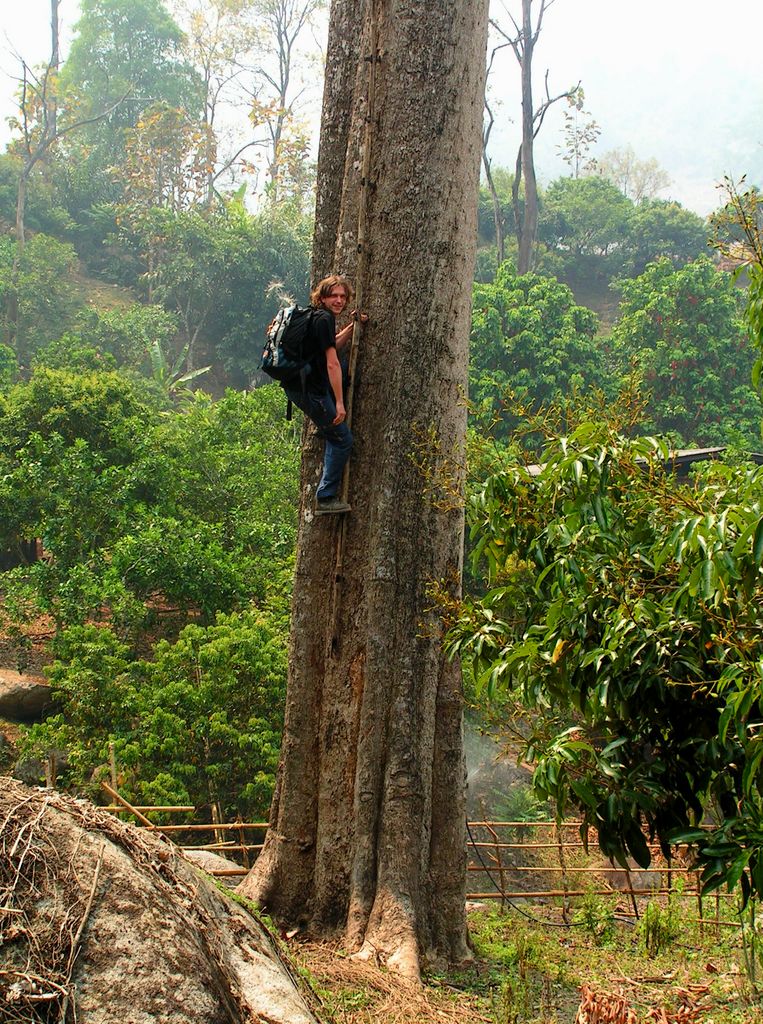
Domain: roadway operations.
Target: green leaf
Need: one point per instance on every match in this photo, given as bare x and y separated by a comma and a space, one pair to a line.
637, 845
584, 792
599, 512
736, 869
757, 544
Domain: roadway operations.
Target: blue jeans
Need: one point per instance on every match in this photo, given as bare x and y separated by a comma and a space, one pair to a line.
321, 409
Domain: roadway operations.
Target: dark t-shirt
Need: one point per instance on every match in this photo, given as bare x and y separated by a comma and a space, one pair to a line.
321, 336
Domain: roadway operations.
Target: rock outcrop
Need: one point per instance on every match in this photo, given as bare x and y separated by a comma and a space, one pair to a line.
113, 923
23, 698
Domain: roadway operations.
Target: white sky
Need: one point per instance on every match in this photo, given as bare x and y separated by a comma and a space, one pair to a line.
679, 80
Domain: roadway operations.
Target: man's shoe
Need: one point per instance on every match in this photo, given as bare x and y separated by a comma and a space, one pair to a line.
331, 506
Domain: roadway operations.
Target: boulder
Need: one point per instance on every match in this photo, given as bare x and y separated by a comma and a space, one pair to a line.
212, 862
23, 698
105, 922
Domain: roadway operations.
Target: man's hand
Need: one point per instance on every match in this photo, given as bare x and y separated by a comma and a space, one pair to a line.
343, 336
341, 415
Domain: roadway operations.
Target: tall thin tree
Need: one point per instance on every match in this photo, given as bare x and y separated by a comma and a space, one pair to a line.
39, 131
523, 42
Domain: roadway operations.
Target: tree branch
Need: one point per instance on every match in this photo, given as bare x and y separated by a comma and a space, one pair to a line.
543, 109
515, 44
543, 8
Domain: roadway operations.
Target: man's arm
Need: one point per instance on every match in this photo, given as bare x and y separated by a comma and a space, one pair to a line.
335, 379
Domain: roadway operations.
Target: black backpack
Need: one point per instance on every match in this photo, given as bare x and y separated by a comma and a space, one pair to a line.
283, 357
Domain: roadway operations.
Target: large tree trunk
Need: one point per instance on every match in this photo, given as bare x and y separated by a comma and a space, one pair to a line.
367, 828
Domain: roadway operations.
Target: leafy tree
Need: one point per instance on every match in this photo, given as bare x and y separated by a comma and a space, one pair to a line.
168, 159
186, 266
579, 134
127, 333
8, 368
636, 179
131, 49
596, 231
185, 561
623, 611
132, 338
135, 508
234, 463
274, 99
658, 227
105, 410
36, 125
216, 271
738, 236
200, 723
586, 220
682, 330
40, 280
45, 207
269, 256
531, 339
219, 34
68, 448
522, 42
125, 56
69, 352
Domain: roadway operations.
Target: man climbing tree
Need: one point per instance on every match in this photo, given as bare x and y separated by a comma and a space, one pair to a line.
367, 823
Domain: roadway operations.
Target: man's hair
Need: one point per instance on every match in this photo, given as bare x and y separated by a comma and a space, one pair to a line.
323, 288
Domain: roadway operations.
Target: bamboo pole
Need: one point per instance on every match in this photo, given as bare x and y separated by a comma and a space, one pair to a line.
171, 809
113, 764
546, 869
523, 894
222, 847
563, 865
133, 810
210, 827
372, 58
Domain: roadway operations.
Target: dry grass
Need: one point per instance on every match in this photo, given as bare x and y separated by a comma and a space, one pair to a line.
44, 910
359, 992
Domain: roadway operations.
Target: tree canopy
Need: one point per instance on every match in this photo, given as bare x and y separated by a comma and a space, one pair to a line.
531, 340
126, 52
682, 330
622, 612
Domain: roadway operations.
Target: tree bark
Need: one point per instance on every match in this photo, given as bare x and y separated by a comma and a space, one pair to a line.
367, 830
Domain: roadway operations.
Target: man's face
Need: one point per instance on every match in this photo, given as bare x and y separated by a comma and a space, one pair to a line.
336, 300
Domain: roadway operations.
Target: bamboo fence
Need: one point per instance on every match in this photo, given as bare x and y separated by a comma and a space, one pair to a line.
509, 861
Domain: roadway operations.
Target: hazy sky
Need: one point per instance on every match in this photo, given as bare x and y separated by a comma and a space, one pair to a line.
671, 78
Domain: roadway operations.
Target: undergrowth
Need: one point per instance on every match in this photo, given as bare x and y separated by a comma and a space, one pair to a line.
529, 970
